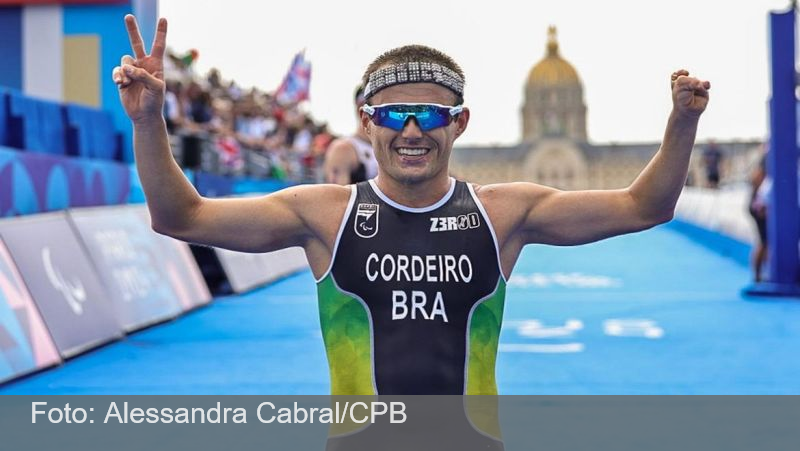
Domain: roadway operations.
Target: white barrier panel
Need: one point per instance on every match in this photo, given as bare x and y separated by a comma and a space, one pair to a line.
724, 211
62, 280
247, 271
129, 259
182, 271
25, 343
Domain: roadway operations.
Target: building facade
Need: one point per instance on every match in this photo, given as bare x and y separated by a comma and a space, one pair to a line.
555, 149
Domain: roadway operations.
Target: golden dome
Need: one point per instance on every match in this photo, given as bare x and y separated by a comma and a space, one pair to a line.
552, 69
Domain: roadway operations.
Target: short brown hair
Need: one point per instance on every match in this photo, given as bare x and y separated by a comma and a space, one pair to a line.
412, 53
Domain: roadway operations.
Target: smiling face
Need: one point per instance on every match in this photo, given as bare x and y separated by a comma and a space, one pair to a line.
411, 155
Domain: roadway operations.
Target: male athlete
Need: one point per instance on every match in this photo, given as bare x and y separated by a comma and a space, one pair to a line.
351, 159
411, 266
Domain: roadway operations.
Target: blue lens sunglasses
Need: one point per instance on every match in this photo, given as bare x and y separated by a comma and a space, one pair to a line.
427, 115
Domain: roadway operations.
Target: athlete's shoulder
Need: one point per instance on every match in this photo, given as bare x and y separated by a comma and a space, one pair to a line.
520, 193
313, 198
341, 148
509, 204
320, 207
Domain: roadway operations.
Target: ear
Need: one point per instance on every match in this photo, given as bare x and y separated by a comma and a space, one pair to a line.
461, 122
366, 123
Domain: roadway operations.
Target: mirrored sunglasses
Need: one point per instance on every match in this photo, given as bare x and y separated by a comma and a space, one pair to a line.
427, 115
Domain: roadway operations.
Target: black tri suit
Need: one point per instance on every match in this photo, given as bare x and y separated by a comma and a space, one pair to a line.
413, 301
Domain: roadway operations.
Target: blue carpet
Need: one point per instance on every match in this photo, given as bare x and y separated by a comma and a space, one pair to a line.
650, 313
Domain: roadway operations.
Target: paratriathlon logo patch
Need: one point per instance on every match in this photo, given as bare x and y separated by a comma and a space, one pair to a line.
366, 220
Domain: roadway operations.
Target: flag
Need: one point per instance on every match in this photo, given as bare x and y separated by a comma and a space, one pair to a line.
295, 85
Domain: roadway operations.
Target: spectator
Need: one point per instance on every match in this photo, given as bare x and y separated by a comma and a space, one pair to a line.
214, 79
252, 126
234, 121
200, 110
173, 111
760, 185
712, 159
322, 141
234, 92
303, 138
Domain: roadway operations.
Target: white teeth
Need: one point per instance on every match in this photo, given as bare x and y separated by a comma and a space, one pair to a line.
412, 152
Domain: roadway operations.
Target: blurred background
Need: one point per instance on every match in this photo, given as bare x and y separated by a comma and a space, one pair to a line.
573, 95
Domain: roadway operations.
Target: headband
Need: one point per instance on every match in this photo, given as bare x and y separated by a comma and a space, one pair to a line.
414, 72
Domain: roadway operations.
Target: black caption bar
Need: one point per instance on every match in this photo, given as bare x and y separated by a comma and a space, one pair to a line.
414, 423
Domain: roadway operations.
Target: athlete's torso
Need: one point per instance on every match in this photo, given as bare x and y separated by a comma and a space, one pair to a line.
413, 301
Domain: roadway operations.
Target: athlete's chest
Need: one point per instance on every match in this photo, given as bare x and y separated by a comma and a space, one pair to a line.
456, 227
412, 265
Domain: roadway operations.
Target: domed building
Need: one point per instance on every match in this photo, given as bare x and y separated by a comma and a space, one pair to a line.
555, 149
554, 104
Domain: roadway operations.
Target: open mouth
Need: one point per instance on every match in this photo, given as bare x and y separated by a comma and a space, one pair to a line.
413, 151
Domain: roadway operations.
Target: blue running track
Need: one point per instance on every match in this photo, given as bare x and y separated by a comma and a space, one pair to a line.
651, 313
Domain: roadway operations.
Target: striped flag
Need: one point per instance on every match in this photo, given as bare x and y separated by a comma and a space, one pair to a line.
296, 83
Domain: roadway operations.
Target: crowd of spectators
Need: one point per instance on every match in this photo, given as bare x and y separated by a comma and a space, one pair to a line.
234, 123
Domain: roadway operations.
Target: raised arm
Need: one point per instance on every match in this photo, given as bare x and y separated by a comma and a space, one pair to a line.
287, 218
656, 190
550, 216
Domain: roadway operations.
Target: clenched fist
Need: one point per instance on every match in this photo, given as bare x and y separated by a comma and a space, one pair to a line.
689, 94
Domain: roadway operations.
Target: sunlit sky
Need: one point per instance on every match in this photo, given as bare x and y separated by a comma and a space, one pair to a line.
623, 50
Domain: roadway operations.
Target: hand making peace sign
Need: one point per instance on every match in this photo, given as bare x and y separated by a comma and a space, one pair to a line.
141, 78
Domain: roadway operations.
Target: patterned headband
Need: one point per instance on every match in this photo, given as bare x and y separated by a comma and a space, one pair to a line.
414, 72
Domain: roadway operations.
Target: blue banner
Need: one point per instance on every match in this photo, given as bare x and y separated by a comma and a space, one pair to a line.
36, 183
